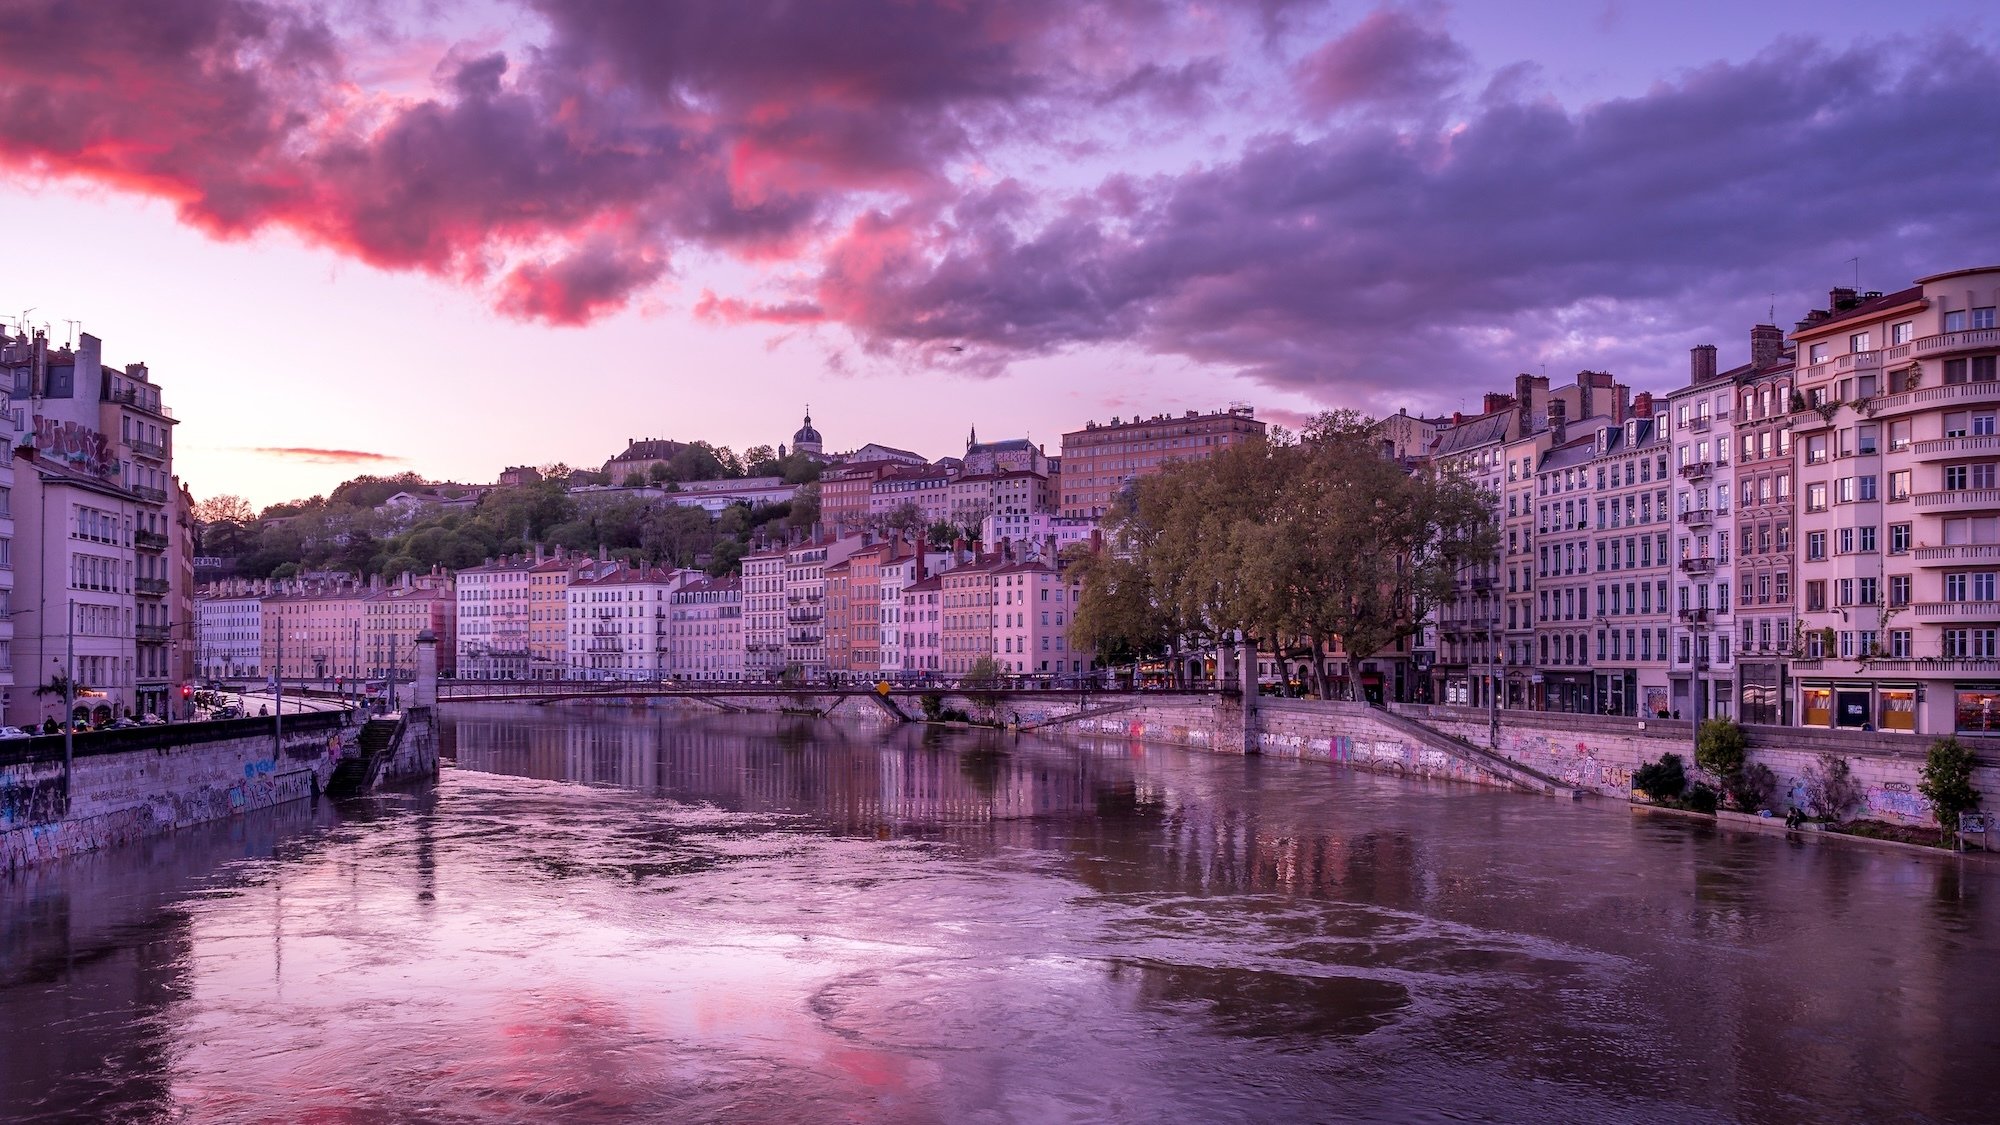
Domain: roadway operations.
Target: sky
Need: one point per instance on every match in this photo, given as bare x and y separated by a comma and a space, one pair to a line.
368, 237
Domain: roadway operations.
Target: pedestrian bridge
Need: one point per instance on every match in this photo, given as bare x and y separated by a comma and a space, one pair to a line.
549, 691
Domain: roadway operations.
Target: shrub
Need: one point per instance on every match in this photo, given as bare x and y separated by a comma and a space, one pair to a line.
1947, 782
1831, 791
1700, 798
1663, 780
1719, 748
1753, 787
933, 704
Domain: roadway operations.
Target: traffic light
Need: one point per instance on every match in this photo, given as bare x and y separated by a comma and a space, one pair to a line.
187, 692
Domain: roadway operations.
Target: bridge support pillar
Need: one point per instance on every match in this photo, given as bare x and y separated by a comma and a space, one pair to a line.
424, 692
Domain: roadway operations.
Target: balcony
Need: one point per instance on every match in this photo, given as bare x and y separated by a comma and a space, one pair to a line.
132, 398
153, 634
1698, 517
1859, 361
1701, 615
149, 541
1944, 449
149, 449
1938, 665
1963, 554
1931, 398
1959, 500
1699, 423
1956, 611
150, 495
1949, 342
604, 644
1697, 470
152, 587
1699, 564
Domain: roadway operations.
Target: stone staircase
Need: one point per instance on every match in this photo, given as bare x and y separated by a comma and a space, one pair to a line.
357, 772
1525, 777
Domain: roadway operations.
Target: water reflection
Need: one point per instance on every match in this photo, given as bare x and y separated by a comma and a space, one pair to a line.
611, 915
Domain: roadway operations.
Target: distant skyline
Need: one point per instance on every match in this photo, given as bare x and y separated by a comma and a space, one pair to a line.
496, 233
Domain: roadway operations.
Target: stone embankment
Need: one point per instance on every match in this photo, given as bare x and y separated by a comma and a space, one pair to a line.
1537, 752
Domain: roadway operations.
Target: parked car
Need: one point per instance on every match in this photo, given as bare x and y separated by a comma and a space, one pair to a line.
150, 720
230, 712
16, 732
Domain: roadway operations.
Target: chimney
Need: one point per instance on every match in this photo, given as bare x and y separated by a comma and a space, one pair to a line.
1524, 403
1642, 405
1585, 396
1841, 299
1558, 421
1494, 402
1701, 363
1767, 345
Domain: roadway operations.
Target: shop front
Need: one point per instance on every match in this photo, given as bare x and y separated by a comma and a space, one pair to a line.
1569, 693
1618, 692
1859, 705
1976, 708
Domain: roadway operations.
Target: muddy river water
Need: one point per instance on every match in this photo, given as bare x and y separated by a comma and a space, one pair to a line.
610, 916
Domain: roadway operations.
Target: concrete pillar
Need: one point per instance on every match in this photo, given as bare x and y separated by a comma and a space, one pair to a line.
424, 692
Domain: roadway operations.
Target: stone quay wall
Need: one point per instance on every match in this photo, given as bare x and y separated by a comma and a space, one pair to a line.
1599, 754
1579, 752
128, 784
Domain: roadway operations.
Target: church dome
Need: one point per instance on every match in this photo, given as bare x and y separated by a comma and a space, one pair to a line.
807, 437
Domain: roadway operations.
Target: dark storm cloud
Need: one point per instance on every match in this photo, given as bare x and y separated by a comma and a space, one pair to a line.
1373, 258
1413, 239
1391, 57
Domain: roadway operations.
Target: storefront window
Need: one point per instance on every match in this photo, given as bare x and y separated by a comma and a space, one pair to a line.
1979, 708
1896, 709
1816, 707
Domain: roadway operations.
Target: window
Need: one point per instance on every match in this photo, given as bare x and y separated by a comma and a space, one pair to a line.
1819, 353
1816, 497
1815, 545
1858, 342
1864, 439
1982, 318
1902, 333
1899, 484
1899, 538
1865, 539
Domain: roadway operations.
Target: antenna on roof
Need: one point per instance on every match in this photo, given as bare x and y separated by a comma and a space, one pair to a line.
73, 326
1857, 273
1773, 318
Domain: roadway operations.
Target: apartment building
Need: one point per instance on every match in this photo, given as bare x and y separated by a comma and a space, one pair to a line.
1499, 451
396, 613
920, 630
229, 626
1764, 521
1100, 459
493, 618
1632, 568
548, 612
618, 620
805, 601
1898, 460
704, 633
763, 614
1702, 674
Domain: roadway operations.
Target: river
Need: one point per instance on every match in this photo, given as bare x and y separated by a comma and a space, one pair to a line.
653, 915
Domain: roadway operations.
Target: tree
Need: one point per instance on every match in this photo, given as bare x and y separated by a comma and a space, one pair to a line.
226, 508
981, 684
635, 479
805, 508
1946, 782
1831, 791
1116, 617
1720, 748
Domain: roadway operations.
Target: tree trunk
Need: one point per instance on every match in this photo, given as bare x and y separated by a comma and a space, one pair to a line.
1319, 669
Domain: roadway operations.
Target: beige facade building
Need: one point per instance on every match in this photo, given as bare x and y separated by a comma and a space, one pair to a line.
1898, 460
1100, 459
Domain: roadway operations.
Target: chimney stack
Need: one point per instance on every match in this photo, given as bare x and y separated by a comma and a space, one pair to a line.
1642, 405
1558, 421
1767, 345
1841, 299
1524, 403
1586, 396
1701, 363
